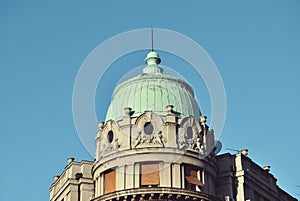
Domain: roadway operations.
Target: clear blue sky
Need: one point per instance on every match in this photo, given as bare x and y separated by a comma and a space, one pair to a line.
255, 45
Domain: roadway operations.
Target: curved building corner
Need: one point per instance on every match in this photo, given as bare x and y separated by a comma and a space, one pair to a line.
155, 145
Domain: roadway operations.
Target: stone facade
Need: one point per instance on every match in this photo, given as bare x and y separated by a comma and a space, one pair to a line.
239, 178
138, 161
173, 147
74, 184
161, 154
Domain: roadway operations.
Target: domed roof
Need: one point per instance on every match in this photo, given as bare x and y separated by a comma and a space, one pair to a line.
153, 91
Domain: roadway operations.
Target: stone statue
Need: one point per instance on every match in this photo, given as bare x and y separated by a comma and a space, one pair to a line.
159, 138
116, 144
138, 139
182, 141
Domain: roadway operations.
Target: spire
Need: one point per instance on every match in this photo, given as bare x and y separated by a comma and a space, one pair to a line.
152, 41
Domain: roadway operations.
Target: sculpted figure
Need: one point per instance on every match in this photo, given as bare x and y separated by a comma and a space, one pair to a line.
138, 139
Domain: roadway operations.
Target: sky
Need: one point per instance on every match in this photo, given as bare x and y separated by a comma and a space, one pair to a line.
254, 44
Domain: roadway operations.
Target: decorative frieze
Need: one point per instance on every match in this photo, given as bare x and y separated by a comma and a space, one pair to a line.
152, 130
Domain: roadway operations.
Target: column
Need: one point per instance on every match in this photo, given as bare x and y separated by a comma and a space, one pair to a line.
176, 175
129, 174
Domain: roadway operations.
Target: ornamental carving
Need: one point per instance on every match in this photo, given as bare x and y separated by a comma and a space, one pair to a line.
149, 131
109, 147
190, 135
150, 140
109, 141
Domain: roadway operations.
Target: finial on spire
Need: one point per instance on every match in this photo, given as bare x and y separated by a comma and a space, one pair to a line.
152, 58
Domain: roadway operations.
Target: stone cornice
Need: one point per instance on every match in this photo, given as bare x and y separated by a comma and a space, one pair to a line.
156, 193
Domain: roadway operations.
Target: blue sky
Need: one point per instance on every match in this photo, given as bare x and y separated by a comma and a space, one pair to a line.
254, 44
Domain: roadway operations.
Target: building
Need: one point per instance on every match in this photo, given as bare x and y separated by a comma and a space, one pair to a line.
155, 145
239, 178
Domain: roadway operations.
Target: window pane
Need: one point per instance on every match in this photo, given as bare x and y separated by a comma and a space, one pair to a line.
149, 174
191, 178
110, 181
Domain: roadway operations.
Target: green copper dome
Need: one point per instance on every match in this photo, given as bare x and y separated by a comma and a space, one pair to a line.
153, 91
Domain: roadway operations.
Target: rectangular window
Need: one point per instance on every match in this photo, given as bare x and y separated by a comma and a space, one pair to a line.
191, 177
109, 181
149, 174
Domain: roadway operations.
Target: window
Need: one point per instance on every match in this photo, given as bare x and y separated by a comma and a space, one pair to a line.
109, 181
189, 132
78, 176
191, 177
148, 128
110, 136
149, 174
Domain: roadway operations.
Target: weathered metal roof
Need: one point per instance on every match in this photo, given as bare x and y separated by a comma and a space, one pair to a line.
153, 90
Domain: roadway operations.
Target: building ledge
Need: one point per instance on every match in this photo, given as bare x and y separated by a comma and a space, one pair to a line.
157, 193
